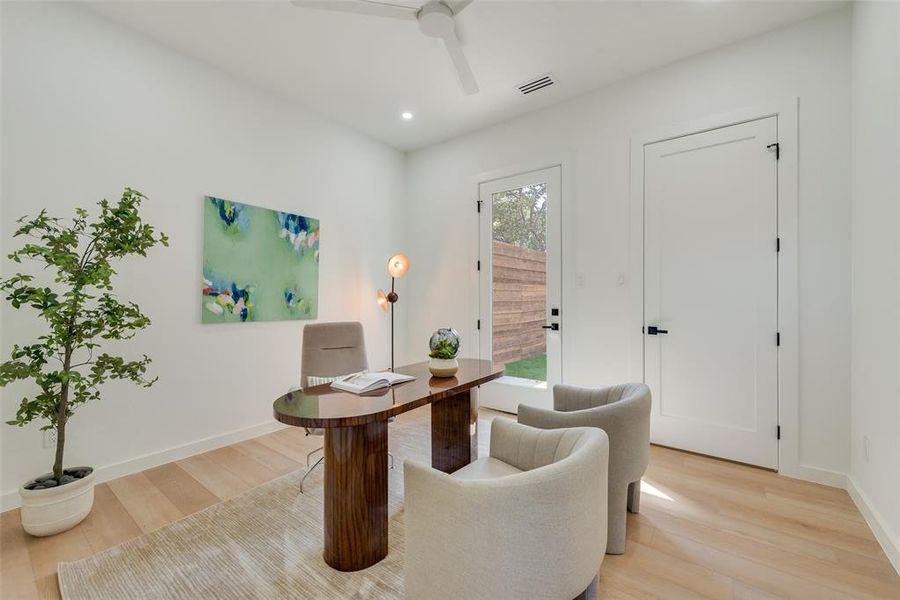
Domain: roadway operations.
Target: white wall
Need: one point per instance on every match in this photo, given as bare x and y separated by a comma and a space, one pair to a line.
809, 60
90, 107
875, 362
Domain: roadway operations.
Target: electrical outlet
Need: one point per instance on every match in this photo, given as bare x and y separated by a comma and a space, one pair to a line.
49, 438
866, 448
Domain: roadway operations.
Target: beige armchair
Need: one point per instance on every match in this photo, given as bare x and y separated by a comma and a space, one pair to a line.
528, 521
623, 412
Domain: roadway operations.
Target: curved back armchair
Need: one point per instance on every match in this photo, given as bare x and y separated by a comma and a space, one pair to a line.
623, 412
332, 350
529, 521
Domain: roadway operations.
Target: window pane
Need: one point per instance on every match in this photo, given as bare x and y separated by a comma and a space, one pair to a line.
519, 267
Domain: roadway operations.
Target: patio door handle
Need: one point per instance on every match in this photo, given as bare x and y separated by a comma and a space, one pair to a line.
553, 326
654, 330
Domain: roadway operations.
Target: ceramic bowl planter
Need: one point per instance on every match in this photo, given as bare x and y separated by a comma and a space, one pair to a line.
55, 509
443, 367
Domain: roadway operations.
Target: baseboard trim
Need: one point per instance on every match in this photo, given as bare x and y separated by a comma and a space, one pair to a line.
816, 475
889, 540
11, 500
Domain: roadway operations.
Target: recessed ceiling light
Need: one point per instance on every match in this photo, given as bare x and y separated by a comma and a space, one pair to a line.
406, 116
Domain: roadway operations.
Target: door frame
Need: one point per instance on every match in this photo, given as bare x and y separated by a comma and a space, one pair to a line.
554, 276
788, 401
537, 162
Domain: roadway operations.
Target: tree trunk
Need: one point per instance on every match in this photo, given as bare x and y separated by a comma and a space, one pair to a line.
61, 411
60, 442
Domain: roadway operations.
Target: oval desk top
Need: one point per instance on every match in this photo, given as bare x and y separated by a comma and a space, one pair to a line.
322, 406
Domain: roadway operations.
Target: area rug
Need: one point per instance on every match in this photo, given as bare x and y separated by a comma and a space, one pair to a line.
265, 543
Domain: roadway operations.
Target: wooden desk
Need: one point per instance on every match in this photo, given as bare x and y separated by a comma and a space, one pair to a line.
356, 445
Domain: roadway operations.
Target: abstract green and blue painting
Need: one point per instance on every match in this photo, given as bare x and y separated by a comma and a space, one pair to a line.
258, 264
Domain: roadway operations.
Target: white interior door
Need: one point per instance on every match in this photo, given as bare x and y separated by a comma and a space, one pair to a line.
519, 287
711, 293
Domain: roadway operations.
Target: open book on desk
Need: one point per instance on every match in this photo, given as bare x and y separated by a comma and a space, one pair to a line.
369, 382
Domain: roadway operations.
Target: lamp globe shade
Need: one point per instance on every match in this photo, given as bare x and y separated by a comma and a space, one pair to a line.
398, 265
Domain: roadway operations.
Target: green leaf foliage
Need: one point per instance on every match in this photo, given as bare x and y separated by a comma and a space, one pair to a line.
520, 216
80, 310
444, 349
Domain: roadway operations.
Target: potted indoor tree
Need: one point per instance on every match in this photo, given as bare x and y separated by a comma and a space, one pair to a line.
66, 362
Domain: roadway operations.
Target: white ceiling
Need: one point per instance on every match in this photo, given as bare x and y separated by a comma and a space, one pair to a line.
364, 71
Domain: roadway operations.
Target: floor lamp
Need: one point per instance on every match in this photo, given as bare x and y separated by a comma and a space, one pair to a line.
398, 265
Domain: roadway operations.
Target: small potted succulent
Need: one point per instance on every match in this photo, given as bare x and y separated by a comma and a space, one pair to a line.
444, 345
76, 301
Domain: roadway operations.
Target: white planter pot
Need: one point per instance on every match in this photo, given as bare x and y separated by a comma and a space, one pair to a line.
443, 367
54, 510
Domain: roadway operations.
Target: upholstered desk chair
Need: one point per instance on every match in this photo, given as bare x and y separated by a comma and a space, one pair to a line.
528, 521
330, 351
623, 412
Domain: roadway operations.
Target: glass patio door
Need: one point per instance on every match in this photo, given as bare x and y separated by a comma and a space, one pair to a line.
519, 287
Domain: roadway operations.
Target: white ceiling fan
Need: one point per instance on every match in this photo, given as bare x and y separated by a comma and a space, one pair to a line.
435, 19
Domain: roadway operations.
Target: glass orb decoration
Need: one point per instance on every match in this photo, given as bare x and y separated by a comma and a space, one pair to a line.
445, 334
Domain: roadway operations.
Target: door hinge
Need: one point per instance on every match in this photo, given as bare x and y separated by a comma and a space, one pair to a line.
777, 244
778, 432
478, 326
478, 204
777, 338
478, 265
777, 148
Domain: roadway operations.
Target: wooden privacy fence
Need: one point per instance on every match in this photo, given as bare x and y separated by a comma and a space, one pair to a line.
520, 302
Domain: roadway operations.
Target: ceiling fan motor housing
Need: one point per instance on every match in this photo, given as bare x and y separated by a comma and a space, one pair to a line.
436, 20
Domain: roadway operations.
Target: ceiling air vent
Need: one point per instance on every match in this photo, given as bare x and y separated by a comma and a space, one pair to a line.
536, 84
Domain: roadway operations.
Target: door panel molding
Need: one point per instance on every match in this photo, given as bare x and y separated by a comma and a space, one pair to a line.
787, 111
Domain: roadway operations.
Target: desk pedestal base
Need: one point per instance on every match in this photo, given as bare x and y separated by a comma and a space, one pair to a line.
454, 431
356, 496
356, 478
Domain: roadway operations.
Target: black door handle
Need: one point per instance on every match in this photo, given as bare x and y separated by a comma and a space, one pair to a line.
654, 330
553, 326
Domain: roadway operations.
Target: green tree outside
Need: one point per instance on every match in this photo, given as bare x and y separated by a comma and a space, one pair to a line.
520, 216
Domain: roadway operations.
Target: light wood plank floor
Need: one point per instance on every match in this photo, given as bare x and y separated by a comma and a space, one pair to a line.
707, 528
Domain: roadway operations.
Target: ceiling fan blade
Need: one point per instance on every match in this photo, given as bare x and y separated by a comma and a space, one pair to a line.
362, 7
457, 5
466, 77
